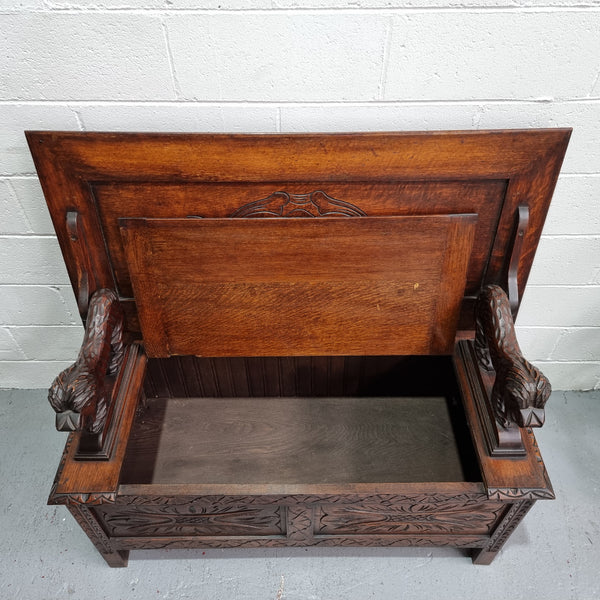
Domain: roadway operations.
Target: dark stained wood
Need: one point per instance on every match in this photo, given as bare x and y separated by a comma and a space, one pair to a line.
520, 389
314, 376
280, 257
96, 481
294, 440
271, 287
81, 395
506, 478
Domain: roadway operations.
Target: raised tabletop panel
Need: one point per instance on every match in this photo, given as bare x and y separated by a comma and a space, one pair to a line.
483, 197
290, 287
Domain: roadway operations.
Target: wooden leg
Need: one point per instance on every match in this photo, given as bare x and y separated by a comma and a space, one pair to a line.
88, 522
483, 557
116, 559
507, 525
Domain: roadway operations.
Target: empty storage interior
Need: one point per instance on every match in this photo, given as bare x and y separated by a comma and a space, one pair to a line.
300, 420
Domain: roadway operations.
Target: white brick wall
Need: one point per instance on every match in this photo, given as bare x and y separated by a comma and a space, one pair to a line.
300, 65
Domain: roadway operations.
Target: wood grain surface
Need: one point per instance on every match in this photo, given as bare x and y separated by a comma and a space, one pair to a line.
293, 441
105, 176
289, 287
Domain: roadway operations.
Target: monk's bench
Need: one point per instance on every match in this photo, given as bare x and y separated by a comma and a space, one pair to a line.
299, 340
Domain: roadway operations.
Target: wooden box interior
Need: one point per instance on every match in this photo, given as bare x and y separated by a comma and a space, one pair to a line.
300, 421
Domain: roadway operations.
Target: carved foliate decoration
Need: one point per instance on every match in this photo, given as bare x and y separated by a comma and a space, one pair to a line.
191, 519
80, 395
83, 499
520, 389
465, 520
443, 517
382, 541
383, 500
284, 204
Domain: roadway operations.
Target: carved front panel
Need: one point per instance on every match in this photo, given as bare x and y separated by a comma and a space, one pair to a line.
435, 518
188, 519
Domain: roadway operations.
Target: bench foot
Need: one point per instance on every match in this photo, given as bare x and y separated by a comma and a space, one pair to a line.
482, 557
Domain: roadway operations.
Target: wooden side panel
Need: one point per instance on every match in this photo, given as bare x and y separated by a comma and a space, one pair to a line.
293, 287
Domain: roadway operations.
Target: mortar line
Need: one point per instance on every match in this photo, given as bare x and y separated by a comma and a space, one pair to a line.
300, 103
43, 325
16, 343
77, 118
483, 9
15, 197
175, 80
385, 58
561, 327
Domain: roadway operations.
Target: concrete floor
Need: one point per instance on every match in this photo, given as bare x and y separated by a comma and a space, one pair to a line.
554, 554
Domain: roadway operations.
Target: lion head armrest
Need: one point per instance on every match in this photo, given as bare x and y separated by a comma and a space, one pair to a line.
81, 394
520, 389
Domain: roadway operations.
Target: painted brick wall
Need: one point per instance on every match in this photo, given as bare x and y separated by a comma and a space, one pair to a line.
292, 65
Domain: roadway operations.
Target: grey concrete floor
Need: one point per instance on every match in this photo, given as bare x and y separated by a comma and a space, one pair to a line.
554, 554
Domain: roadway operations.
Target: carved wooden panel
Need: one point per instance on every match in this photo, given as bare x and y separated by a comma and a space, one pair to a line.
439, 517
191, 519
379, 541
354, 199
284, 204
464, 520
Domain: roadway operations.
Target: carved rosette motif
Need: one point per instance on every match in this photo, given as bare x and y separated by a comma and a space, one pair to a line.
284, 204
520, 389
80, 394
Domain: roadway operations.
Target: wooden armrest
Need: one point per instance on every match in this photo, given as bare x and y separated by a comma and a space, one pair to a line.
520, 389
81, 394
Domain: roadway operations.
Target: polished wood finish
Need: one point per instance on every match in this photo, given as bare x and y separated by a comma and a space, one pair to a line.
489, 173
288, 287
337, 402
520, 390
81, 395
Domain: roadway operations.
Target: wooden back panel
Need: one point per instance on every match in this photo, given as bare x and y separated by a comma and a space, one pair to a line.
107, 176
297, 287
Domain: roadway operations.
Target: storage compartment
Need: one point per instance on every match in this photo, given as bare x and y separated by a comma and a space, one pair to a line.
290, 421
308, 450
